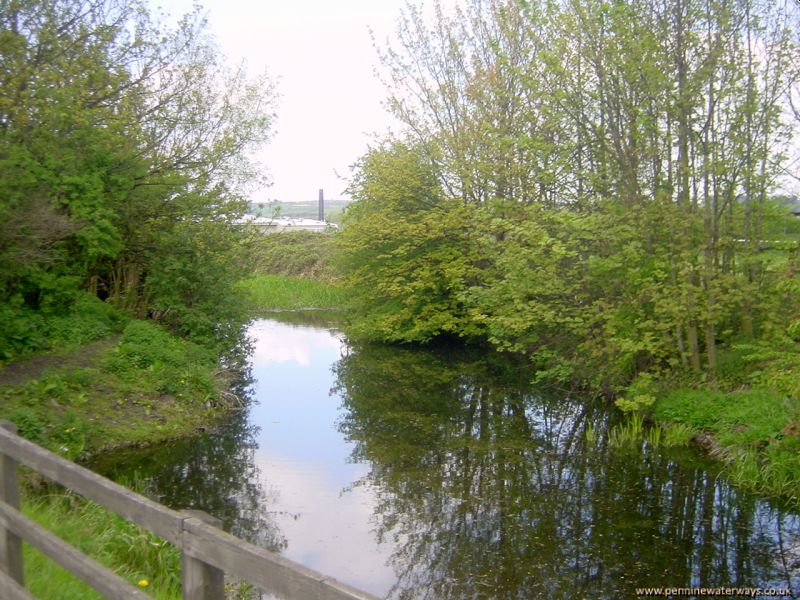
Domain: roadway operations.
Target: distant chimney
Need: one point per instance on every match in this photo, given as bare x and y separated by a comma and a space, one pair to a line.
321, 206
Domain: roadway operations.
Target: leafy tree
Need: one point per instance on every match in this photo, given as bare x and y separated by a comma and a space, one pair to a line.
120, 140
615, 159
406, 249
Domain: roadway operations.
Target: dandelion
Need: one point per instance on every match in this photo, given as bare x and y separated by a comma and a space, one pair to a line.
143, 583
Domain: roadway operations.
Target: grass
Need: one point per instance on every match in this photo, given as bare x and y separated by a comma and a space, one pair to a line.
747, 415
630, 431
303, 254
141, 386
135, 554
677, 434
150, 387
277, 292
293, 270
756, 432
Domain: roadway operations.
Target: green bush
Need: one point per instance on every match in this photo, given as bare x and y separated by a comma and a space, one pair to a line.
191, 282
774, 367
733, 366
25, 331
21, 330
89, 319
641, 394
407, 250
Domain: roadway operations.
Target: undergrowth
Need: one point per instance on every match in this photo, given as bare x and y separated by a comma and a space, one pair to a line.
151, 386
24, 331
747, 416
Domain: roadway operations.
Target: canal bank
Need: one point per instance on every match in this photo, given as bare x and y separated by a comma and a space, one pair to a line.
141, 387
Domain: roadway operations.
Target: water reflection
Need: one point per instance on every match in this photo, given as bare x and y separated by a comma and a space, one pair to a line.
439, 474
490, 491
302, 455
215, 472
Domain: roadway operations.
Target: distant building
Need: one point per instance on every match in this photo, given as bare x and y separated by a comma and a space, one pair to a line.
280, 224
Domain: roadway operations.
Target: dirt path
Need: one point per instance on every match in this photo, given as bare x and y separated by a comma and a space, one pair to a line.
34, 367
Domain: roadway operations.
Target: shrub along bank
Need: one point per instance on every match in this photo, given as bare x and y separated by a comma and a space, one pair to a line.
596, 188
602, 298
122, 173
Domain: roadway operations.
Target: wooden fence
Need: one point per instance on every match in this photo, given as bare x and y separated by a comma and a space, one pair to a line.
208, 553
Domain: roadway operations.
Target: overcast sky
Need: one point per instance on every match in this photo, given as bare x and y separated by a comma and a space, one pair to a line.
323, 59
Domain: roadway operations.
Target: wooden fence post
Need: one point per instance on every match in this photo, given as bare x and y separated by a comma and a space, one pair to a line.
10, 544
201, 581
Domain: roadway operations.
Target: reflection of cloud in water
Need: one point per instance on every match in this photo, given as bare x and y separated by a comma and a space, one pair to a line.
272, 345
328, 529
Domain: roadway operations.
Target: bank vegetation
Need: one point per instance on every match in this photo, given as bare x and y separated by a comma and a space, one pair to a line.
601, 186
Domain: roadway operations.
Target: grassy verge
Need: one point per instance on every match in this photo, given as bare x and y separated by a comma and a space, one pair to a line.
277, 292
748, 416
133, 553
150, 387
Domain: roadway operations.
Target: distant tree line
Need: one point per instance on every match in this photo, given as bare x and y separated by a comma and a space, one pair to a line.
121, 165
586, 181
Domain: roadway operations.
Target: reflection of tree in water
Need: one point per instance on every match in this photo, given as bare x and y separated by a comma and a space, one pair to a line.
492, 492
214, 472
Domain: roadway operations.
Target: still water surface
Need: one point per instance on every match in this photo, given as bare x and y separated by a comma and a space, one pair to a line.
442, 474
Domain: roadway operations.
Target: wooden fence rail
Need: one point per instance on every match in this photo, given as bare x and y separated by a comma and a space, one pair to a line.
208, 553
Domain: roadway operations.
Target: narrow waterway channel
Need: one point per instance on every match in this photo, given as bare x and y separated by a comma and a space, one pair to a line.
442, 474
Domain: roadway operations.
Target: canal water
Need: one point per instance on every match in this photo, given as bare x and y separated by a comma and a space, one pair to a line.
442, 474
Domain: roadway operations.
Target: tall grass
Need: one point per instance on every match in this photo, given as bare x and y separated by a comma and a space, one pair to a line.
756, 432
629, 432
276, 292
133, 553
305, 254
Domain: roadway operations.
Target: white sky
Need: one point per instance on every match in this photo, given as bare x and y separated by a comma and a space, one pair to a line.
330, 100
